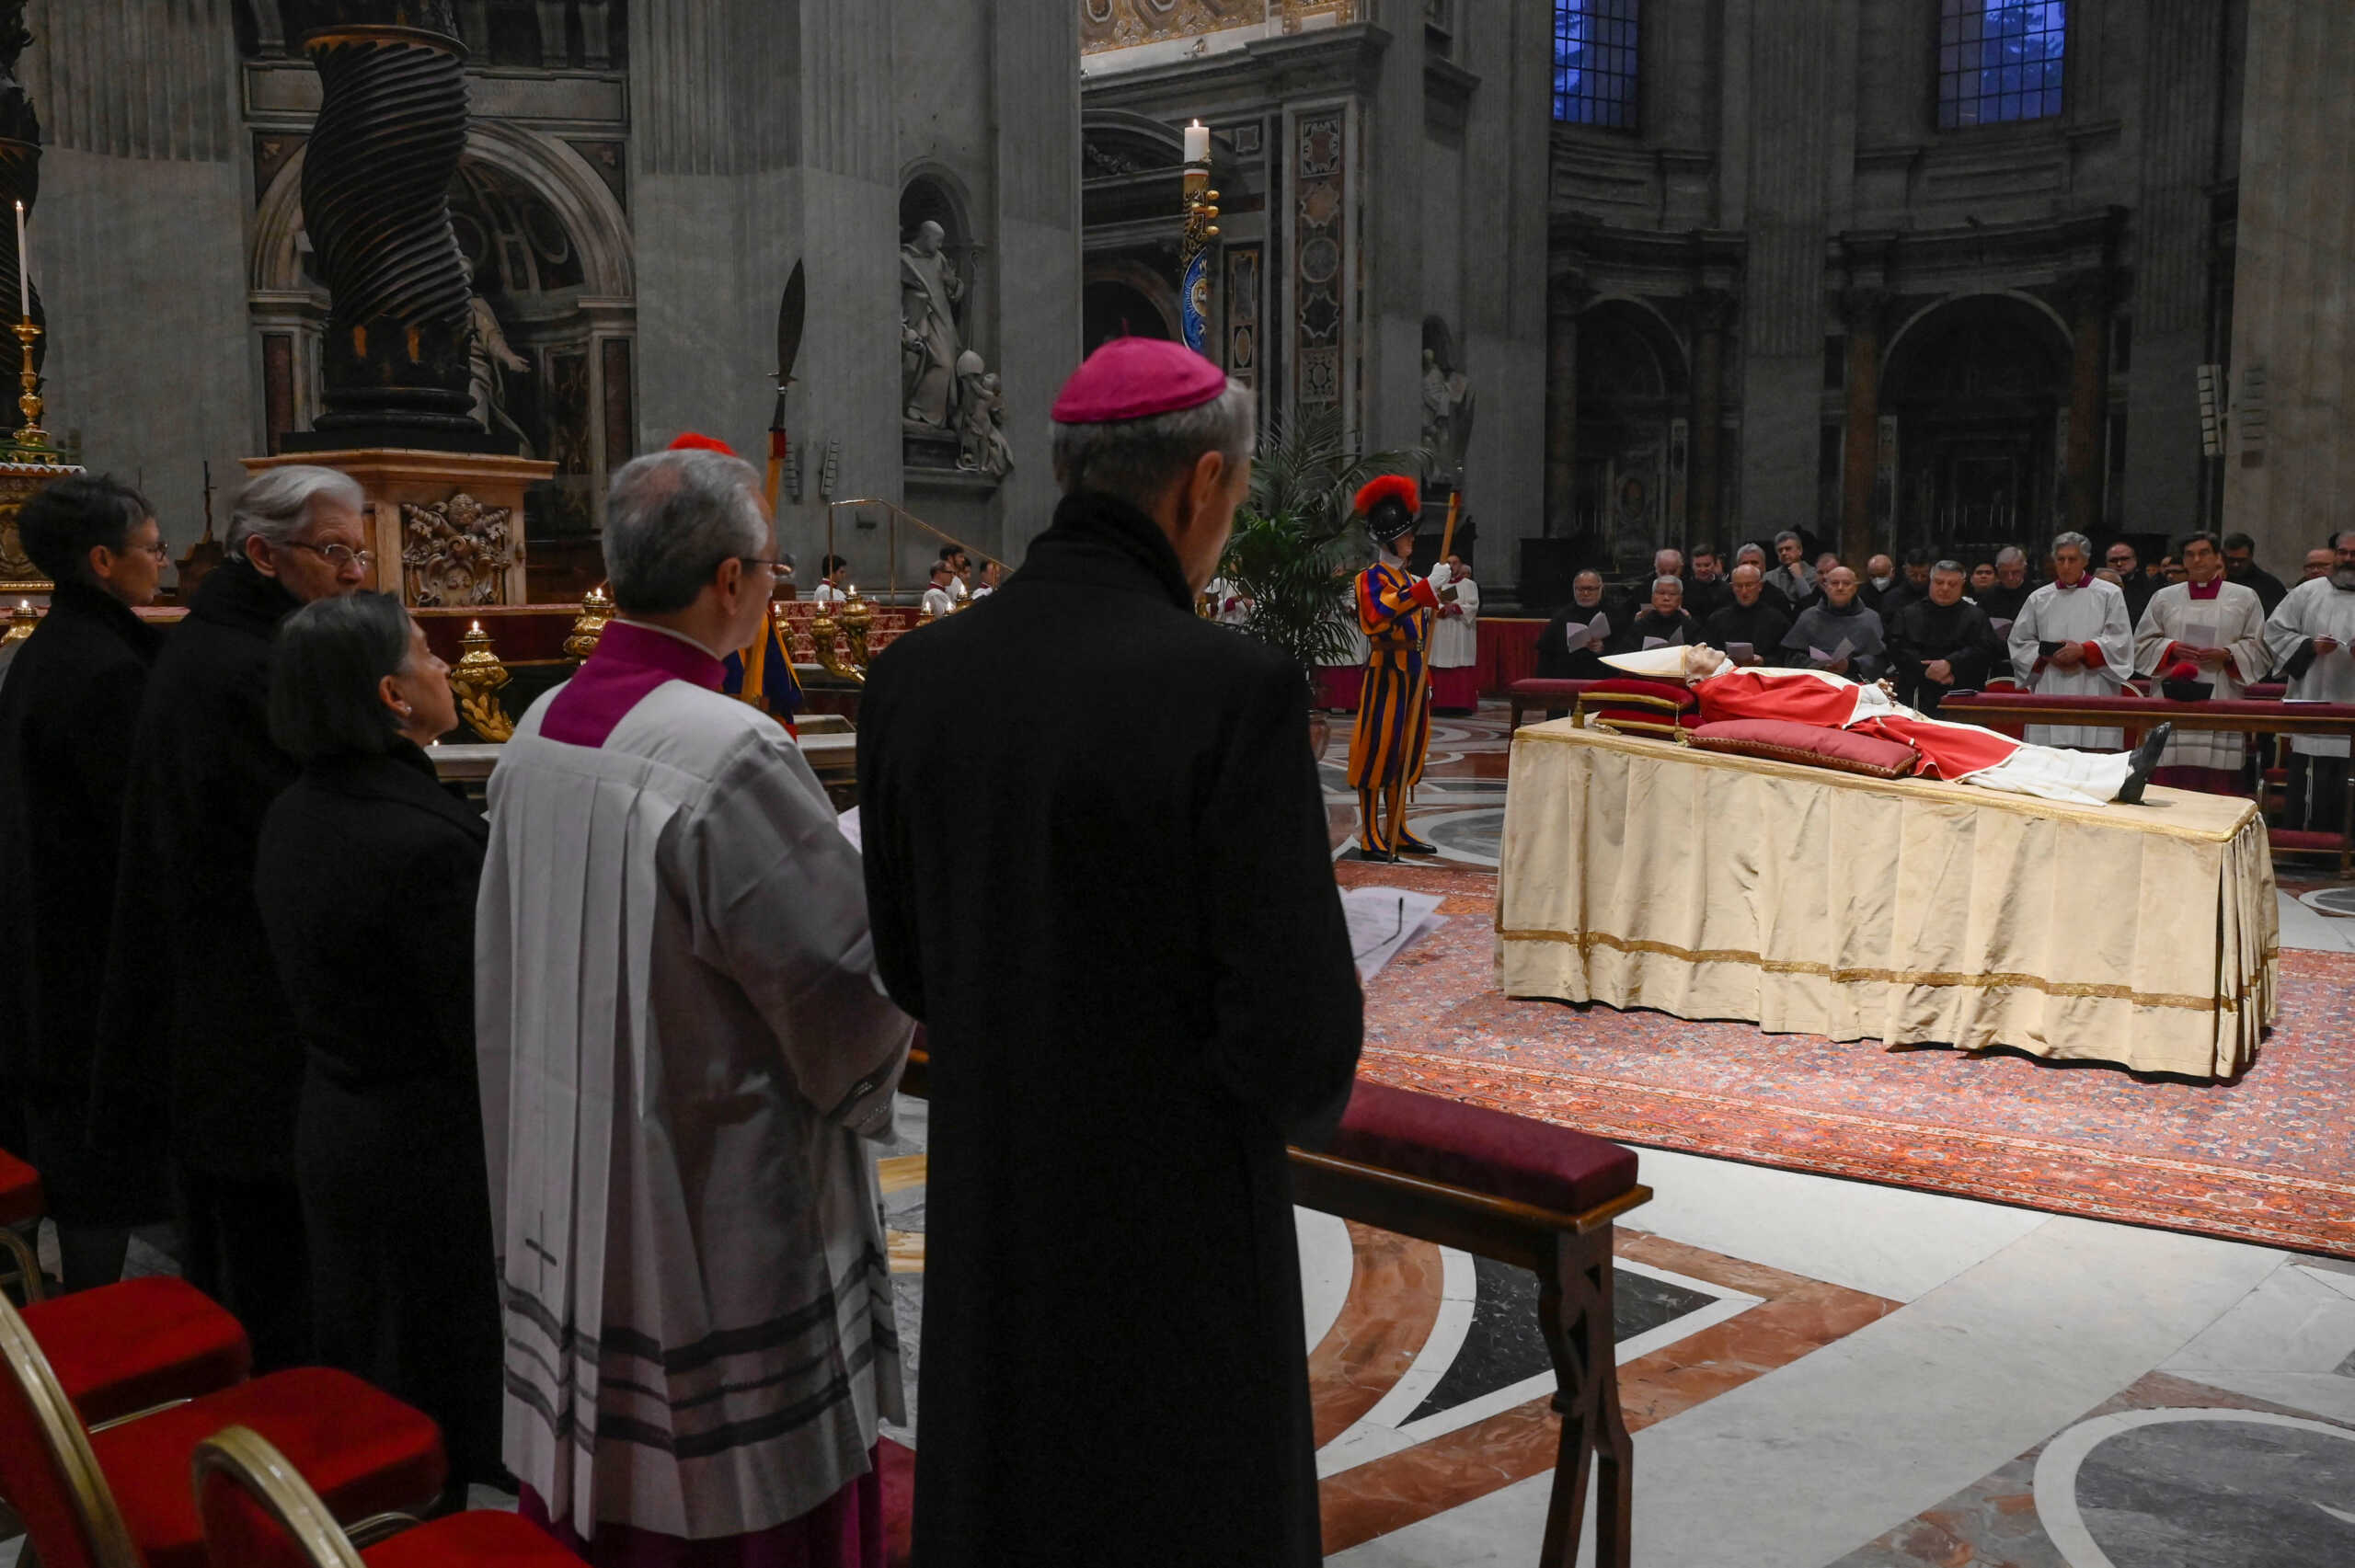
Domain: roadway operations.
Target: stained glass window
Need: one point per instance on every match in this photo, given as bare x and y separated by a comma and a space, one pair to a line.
1998, 60
1594, 63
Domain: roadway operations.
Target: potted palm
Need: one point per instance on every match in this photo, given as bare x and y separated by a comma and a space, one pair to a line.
1294, 545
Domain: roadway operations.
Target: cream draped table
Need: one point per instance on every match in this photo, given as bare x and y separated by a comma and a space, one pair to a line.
1638, 872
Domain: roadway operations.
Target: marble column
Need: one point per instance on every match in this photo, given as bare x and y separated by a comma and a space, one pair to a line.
1860, 451
1712, 313
2088, 398
2289, 460
1564, 301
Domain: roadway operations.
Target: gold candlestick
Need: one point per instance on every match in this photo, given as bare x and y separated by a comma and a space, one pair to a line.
29, 435
475, 680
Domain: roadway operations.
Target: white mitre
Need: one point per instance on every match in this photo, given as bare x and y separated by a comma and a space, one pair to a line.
1673, 662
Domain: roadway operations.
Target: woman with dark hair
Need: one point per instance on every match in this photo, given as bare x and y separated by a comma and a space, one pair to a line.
66, 714
366, 880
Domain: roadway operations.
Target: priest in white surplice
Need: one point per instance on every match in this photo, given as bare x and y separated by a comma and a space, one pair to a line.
684, 1052
2218, 627
2310, 635
2074, 638
1455, 639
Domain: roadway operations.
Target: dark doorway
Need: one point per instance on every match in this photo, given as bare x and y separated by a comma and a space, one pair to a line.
1979, 388
1110, 309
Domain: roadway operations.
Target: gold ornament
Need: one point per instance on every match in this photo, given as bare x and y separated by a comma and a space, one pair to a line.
475, 678
590, 625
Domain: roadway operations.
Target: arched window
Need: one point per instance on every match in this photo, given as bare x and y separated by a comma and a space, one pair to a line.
2000, 60
1594, 63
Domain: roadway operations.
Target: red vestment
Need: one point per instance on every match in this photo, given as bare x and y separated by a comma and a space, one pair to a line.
1951, 751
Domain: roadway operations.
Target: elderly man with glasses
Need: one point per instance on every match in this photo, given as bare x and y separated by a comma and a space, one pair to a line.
196, 1042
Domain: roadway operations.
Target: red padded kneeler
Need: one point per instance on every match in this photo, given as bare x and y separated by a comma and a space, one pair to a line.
1486, 1151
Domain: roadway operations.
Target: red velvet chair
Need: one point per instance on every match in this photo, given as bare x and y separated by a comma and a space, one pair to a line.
120, 1497
125, 1348
259, 1512
20, 1200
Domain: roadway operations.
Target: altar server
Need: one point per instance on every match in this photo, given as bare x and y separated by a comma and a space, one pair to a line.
196, 1041
683, 1052
66, 714
2218, 627
1393, 733
2072, 639
1113, 1367
1455, 639
2310, 636
942, 598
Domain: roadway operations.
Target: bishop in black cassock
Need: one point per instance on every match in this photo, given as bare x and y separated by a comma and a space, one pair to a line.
1120, 926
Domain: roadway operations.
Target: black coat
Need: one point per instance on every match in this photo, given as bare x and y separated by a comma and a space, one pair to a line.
2003, 603
66, 715
1760, 625
1925, 632
195, 1037
1680, 627
1703, 600
1120, 926
1555, 662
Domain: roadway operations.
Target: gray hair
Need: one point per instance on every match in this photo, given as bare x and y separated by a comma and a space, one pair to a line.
1786, 533
1663, 553
1749, 550
1136, 460
672, 519
2010, 553
276, 503
1954, 567
1664, 581
2072, 540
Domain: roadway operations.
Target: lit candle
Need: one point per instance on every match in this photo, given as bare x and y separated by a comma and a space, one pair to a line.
1198, 151
24, 270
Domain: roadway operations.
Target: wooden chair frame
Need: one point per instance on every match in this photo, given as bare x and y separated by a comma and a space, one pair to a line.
95, 1509
1670, 711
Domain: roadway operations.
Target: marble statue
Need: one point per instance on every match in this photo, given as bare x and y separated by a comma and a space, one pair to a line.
488, 358
1447, 420
929, 346
981, 446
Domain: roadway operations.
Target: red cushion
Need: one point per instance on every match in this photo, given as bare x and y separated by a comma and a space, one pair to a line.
460, 1539
363, 1451
2307, 838
1636, 686
20, 1196
124, 1347
1783, 741
1487, 1152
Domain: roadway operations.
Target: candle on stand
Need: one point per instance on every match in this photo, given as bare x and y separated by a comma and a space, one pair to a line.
1198, 151
24, 270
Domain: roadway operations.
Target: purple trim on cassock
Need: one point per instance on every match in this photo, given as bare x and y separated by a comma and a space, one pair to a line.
629, 663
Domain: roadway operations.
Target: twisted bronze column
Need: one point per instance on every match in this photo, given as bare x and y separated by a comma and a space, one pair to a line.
19, 181
376, 176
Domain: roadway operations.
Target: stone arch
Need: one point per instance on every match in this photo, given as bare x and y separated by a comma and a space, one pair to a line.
2060, 324
1112, 279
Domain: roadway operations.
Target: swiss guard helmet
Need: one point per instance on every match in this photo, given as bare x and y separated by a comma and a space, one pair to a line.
1388, 507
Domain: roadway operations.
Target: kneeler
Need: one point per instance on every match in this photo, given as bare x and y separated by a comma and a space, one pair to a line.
119, 1497
1522, 1191
259, 1512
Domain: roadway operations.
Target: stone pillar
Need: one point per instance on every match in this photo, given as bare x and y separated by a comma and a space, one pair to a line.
1860, 451
1712, 311
1564, 301
2289, 460
2088, 399
376, 176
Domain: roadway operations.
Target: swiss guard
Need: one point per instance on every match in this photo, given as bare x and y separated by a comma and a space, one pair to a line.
1394, 610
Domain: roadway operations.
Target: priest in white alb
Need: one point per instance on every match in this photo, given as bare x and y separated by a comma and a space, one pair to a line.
684, 1058
2310, 635
1455, 639
2216, 628
2074, 638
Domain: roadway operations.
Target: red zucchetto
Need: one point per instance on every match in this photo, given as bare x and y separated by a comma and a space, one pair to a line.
689, 441
1137, 378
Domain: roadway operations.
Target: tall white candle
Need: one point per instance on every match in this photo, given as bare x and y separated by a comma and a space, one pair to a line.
1198, 151
24, 270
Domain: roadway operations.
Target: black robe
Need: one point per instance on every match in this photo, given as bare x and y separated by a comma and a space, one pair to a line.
1703, 600
1118, 924
2003, 603
2269, 588
1957, 633
1679, 628
66, 716
1760, 625
195, 1039
1822, 625
366, 874
1555, 662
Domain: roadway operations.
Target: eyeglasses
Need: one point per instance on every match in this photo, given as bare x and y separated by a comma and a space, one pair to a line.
338, 556
776, 568
161, 551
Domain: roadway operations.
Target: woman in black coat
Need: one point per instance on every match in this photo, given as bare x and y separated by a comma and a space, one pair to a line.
366, 881
66, 713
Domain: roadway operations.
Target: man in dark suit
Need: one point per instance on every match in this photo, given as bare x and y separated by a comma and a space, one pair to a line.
1119, 927
196, 1042
2240, 565
66, 711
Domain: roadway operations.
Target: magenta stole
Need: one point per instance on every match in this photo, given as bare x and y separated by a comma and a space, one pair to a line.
629, 663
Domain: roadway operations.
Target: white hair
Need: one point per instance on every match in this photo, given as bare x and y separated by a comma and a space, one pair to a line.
1665, 580
2072, 540
672, 519
276, 504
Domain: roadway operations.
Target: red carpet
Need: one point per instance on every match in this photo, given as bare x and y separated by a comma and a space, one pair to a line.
2269, 1159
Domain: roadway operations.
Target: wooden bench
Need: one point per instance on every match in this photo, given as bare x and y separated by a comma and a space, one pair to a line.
1524, 1192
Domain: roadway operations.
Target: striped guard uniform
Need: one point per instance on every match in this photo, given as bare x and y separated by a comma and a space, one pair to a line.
1395, 611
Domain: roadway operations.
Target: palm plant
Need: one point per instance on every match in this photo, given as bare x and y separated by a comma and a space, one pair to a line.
1292, 539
